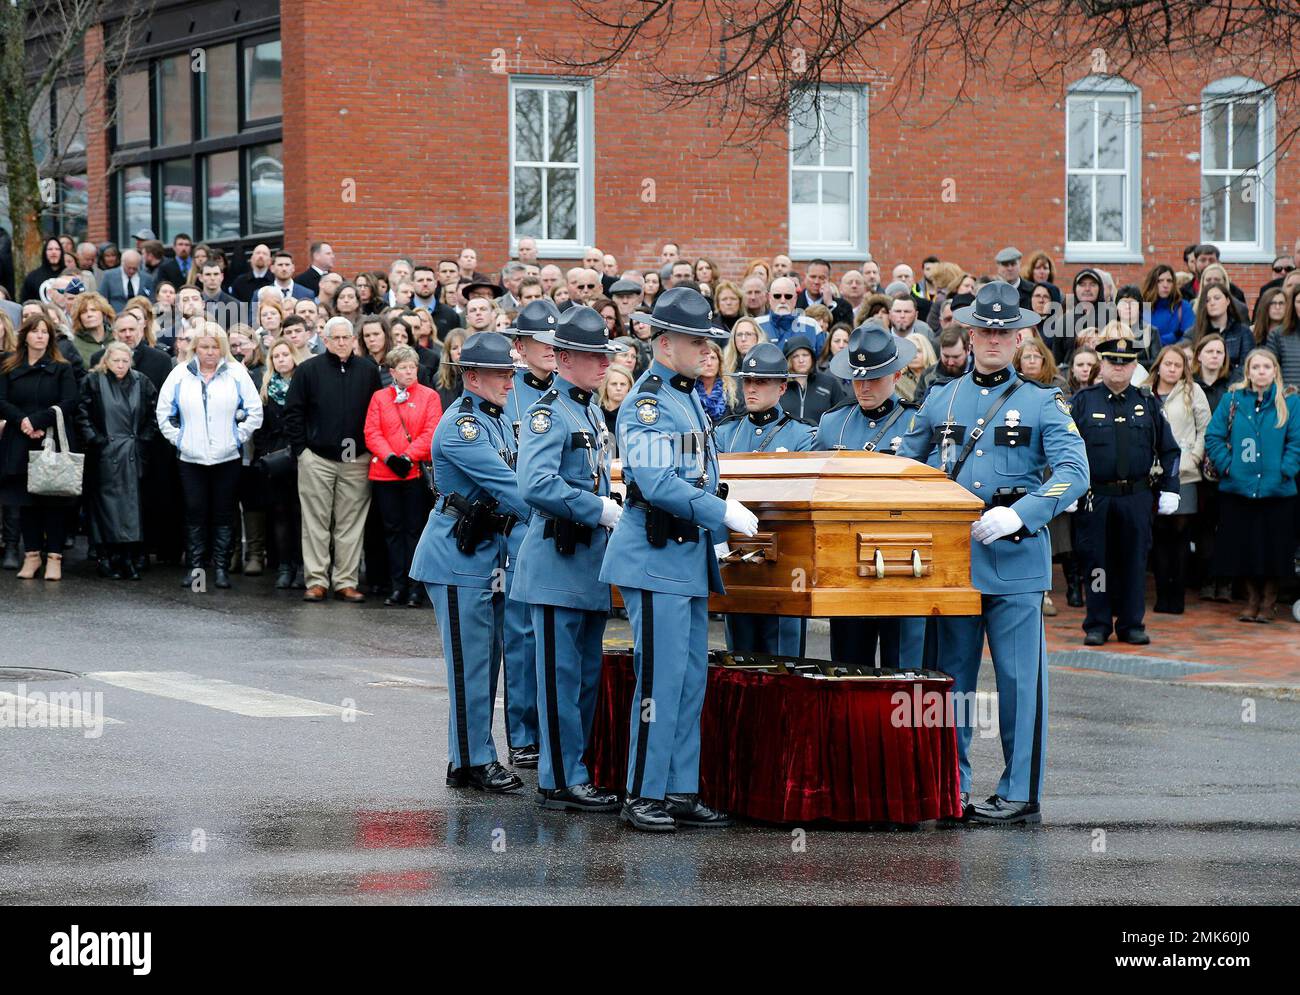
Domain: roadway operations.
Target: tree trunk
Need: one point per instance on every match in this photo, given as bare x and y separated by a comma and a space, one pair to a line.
16, 140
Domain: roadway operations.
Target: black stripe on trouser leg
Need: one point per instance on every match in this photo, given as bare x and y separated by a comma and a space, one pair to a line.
504, 664
1037, 752
647, 687
552, 698
458, 675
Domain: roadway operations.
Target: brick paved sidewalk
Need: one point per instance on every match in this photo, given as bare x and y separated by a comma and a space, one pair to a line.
1205, 645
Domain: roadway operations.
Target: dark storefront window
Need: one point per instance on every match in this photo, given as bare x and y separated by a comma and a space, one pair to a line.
197, 143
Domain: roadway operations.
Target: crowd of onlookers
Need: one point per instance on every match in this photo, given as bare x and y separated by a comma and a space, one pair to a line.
270, 414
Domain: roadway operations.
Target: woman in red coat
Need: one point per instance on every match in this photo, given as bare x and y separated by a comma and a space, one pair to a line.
399, 431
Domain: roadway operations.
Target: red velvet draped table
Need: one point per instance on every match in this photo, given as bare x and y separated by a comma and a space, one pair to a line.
789, 748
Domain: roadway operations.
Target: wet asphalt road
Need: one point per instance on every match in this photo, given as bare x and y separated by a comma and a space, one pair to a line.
1156, 793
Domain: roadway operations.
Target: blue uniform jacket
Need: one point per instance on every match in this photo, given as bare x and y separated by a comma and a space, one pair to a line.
664, 436
527, 390
1031, 432
847, 426
1255, 433
473, 449
563, 473
771, 431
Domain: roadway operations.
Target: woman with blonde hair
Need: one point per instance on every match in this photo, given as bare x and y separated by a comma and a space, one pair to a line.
209, 409
745, 334
910, 381
949, 280
284, 522
614, 388
115, 418
448, 382
1254, 443
727, 303
1188, 413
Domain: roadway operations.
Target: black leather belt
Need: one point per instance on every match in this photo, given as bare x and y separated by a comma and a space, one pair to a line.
1119, 488
493, 522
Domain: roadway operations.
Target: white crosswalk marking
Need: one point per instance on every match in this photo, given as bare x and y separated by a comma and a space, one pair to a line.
221, 695
34, 712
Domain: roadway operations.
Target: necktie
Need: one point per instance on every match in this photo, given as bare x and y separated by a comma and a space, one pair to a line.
130, 288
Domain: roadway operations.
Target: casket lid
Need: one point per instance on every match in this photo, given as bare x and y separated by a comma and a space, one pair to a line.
841, 479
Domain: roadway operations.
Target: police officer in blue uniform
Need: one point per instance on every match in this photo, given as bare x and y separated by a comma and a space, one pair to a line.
995, 434
532, 380
661, 556
462, 555
1128, 439
564, 462
874, 420
765, 427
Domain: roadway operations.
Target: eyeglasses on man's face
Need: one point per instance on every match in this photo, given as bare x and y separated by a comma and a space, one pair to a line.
783, 297
1283, 269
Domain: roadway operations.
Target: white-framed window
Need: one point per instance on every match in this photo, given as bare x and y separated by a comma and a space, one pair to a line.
1103, 159
551, 153
1237, 169
828, 173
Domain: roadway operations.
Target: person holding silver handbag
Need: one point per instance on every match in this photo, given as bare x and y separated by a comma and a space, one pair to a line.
35, 380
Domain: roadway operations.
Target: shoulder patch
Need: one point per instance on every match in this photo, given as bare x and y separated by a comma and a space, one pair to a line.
1062, 404
540, 422
647, 410
467, 427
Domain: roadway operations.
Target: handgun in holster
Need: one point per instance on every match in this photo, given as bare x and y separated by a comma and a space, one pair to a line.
1005, 497
660, 525
567, 534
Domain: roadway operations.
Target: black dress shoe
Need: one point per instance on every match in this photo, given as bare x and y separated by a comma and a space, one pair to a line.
524, 756
997, 811
396, 597
415, 599
649, 815
578, 797
1094, 639
107, 569
1138, 637
492, 778
688, 810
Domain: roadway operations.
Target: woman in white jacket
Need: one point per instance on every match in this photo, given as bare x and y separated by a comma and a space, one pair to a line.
208, 408
1188, 412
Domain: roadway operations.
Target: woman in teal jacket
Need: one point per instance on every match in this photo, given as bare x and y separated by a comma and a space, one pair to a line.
1254, 441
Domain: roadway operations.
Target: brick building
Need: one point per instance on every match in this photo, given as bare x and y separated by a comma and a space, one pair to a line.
421, 127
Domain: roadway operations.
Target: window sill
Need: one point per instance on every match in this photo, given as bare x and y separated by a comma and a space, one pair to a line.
839, 250
552, 250
1253, 254
1083, 254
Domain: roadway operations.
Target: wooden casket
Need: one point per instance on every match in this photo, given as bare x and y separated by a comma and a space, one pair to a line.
847, 533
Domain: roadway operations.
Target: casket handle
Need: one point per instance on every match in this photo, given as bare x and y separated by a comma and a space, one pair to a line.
880, 563
916, 563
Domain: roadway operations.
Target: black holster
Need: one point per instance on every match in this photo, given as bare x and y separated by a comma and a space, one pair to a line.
1005, 497
660, 526
567, 534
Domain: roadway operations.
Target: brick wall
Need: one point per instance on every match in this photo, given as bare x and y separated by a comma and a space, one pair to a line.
415, 126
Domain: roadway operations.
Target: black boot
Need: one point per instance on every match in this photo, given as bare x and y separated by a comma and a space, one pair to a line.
284, 577
127, 568
10, 534
107, 568
223, 538
196, 544
1073, 582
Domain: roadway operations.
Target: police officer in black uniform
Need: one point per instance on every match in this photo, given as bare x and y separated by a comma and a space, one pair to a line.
1131, 452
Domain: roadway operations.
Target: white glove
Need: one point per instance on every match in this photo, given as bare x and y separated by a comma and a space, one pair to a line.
721, 550
610, 512
740, 519
994, 524
1168, 503
1074, 506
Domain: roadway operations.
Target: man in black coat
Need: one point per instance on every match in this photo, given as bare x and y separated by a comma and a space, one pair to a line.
325, 418
244, 287
322, 262
149, 360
